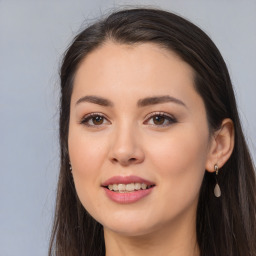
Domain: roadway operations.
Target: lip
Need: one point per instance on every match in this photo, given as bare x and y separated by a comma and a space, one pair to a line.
126, 180
129, 197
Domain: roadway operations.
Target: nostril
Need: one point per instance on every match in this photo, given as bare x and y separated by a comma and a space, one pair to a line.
115, 160
123, 161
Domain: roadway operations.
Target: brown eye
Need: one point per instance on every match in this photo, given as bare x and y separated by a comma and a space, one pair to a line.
97, 120
94, 120
159, 120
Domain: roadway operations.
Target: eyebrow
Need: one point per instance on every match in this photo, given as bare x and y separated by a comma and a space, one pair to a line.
96, 100
158, 100
141, 103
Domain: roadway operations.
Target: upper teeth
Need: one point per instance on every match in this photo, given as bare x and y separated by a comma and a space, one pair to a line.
127, 187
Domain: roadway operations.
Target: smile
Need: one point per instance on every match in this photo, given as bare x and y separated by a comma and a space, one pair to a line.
127, 189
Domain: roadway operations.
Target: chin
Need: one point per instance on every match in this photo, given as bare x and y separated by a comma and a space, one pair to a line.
130, 227
129, 231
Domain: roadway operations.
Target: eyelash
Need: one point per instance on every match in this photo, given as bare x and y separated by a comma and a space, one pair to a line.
167, 118
86, 119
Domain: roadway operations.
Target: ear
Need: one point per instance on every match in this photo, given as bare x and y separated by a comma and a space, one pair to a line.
221, 146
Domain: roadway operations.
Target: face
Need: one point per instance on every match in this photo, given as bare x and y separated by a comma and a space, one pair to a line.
138, 138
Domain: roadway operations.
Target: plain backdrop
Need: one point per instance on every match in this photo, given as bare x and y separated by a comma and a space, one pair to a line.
33, 36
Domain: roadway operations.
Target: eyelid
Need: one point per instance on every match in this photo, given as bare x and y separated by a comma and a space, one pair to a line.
159, 113
163, 114
84, 120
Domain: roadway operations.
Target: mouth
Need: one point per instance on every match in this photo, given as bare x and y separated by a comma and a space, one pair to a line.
128, 188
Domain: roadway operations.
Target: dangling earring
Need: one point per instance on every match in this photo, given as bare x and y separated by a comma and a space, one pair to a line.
217, 191
70, 167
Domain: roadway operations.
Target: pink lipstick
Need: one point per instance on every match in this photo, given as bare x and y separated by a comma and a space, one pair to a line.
127, 189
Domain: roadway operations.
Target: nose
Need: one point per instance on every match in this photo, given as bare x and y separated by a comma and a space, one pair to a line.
126, 147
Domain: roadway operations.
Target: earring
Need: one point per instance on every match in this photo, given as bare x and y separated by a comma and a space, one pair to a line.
70, 167
217, 191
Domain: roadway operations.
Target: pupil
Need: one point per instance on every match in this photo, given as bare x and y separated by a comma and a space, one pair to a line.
158, 119
97, 120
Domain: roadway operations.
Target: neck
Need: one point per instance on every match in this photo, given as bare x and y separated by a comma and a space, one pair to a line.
177, 239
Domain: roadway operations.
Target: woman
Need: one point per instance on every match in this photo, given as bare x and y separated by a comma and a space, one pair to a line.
153, 157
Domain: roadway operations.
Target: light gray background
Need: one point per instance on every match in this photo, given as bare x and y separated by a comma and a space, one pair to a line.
33, 36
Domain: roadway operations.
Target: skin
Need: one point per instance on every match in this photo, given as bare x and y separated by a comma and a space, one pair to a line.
129, 141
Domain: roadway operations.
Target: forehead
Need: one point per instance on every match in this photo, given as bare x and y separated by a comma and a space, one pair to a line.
140, 69
118, 59
140, 54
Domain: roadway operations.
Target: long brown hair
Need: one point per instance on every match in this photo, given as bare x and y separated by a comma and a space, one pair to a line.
226, 226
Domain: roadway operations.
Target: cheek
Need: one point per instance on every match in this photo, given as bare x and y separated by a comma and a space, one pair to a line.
179, 164
176, 156
86, 152
180, 159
